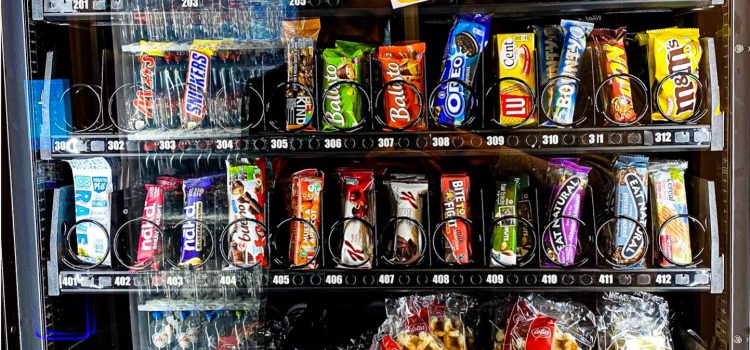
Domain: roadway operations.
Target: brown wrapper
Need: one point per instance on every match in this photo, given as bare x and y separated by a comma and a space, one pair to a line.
610, 47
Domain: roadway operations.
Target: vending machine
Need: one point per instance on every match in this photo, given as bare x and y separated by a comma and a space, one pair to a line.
377, 174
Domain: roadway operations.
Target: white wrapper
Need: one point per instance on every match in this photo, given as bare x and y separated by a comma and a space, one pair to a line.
408, 202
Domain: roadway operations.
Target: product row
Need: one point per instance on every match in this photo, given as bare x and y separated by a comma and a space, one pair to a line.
443, 322
375, 217
565, 75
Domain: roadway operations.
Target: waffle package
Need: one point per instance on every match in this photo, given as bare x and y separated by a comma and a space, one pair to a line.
517, 61
635, 321
669, 199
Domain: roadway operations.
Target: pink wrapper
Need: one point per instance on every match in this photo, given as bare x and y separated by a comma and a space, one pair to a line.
149, 246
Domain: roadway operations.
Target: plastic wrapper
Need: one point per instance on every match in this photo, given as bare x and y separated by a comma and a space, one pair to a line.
549, 40
193, 237
435, 322
406, 193
566, 89
197, 83
92, 183
638, 321
246, 190
669, 199
526, 210
517, 59
307, 190
466, 41
568, 181
149, 246
610, 47
455, 189
631, 200
357, 250
300, 37
504, 233
342, 107
673, 50
402, 104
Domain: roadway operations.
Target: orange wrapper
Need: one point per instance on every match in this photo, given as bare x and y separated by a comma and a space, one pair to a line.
307, 188
401, 103
613, 60
455, 192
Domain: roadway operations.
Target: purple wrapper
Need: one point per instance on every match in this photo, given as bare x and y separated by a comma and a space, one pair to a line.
191, 244
568, 181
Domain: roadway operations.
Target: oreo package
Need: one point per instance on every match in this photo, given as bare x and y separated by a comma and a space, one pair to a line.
466, 41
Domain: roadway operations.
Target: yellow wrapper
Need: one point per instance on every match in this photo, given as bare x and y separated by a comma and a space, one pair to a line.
674, 50
516, 59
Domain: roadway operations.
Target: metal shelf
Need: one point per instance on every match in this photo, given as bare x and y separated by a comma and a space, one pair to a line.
642, 139
494, 279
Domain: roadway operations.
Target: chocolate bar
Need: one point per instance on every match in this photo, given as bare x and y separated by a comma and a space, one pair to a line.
406, 201
357, 249
192, 242
246, 195
455, 192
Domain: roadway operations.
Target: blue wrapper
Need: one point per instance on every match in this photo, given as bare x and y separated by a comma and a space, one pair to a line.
466, 41
191, 244
631, 200
565, 90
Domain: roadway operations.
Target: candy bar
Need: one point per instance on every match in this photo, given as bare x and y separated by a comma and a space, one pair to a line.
568, 181
455, 190
516, 58
673, 50
246, 191
524, 210
668, 200
357, 250
342, 107
504, 233
149, 246
300, 37
550, 44
307, 188
402, 103
92, 181
192, 242
197, 82
466, 41
406, 201
566, 89
610, 47
631, 200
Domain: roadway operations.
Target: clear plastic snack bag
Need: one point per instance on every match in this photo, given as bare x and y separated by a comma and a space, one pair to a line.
638, 321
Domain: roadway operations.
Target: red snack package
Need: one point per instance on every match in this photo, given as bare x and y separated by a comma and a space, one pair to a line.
618, 95
401, 103
455, 193
169, 183
307, 188
149, 246
358, 241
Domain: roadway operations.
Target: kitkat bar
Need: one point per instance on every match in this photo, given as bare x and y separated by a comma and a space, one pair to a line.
455, 193
149, 246
306, 192
356, 186
618, 96
401, 101
246, 191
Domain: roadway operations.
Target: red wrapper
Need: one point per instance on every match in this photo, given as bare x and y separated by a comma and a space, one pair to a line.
169, 183
618, 95
149, 246
401, 101
358, 241
455, 193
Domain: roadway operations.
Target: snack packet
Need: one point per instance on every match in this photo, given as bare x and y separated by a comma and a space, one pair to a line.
300, 37
357, 250
197, 82
307, 188
455, 189
504, 239
669, 199
402, 103
406, 201
466, 41
92, 183
674, 50
545, 324
631, 200
634, 321
192, 241
549, 40
516, 58
568, 181
610, 47
246, 192
342, 107
566, 89
525, 209
149, 246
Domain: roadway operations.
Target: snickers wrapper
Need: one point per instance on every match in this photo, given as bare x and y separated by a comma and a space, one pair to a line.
246, 198
191, 244
455, 192
357, 250
149, 246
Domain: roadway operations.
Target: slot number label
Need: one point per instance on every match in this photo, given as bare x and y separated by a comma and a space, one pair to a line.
115, 145
441, 141
224, 144
189, 3
80, 5
279, 144
495, 140
175, 281
441, 279
167, 145
549, 279
386, 279
69, 281
332, 143
663, 279
551, 140
663, 137
67, 146
335, 280
123, 281
297, 2
228, 280
385, 142
606, 279
281, 280
594, 139
495, 279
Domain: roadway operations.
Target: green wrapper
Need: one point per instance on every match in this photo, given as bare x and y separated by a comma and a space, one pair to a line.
343, 104
525, 211
504, 246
